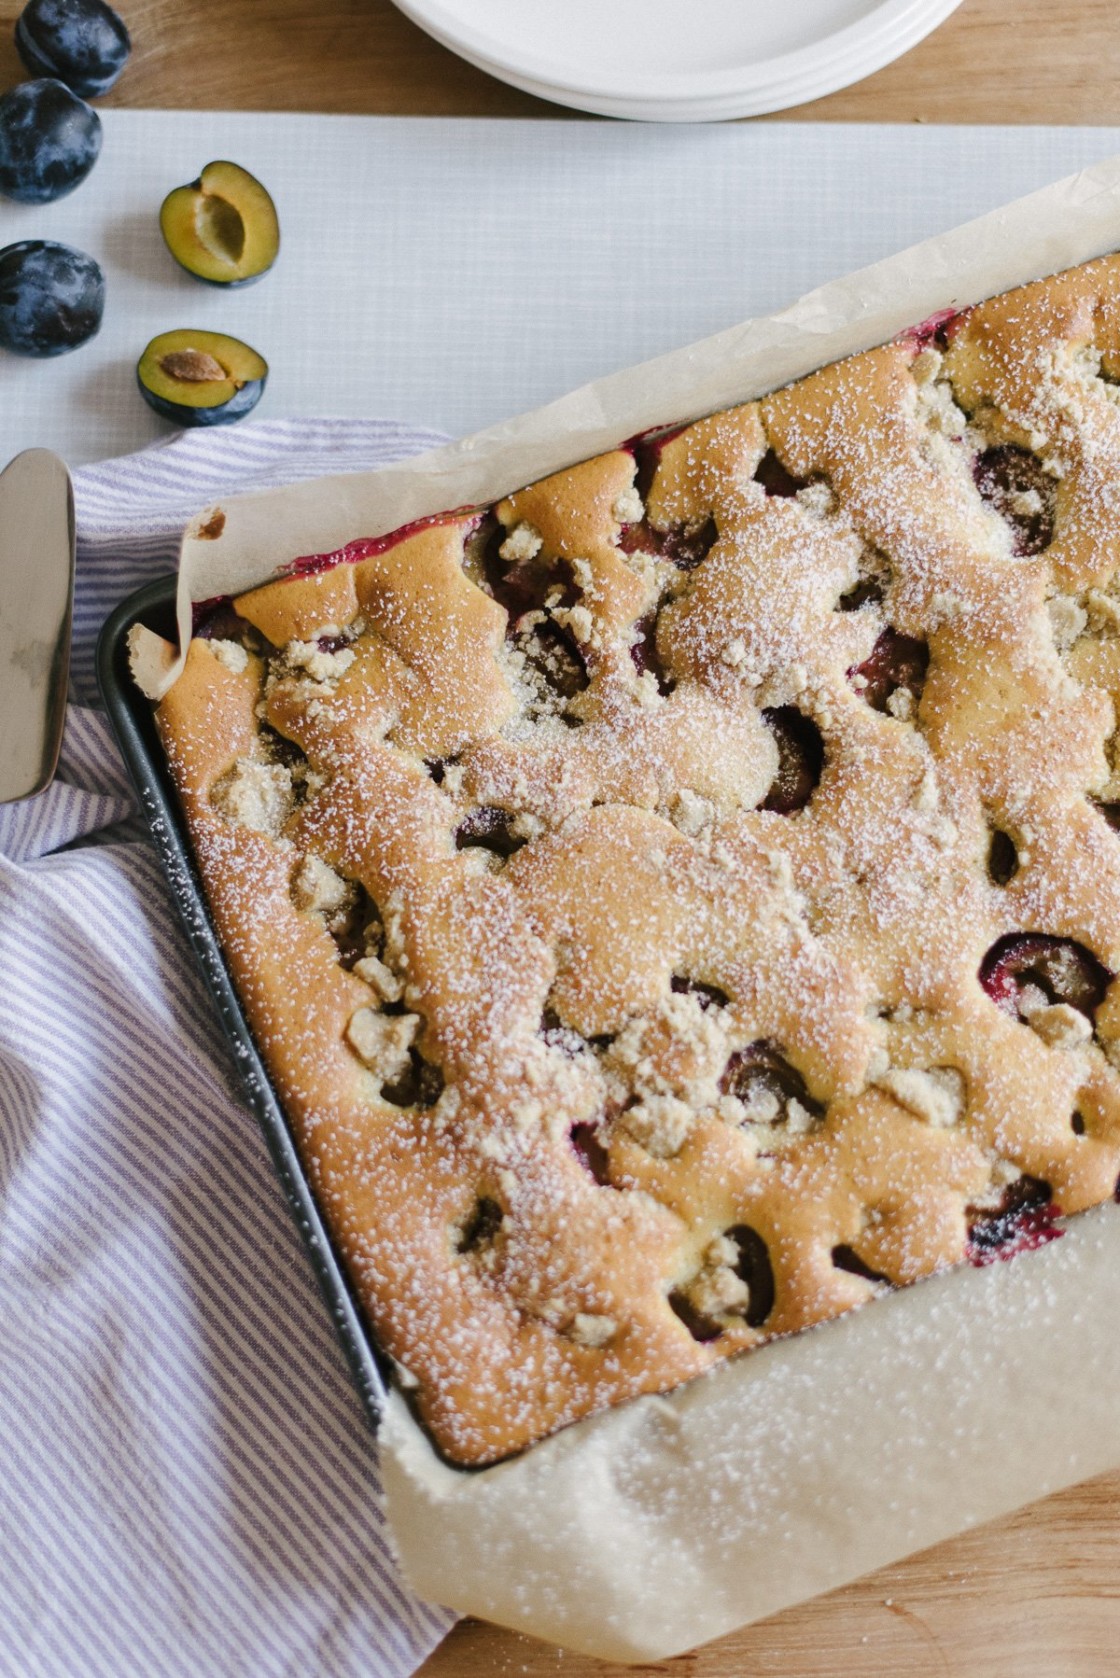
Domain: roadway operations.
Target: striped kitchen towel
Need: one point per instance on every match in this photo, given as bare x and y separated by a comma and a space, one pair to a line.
189, 1488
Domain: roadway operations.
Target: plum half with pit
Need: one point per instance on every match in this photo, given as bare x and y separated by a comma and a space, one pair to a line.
201, 378
52, 297
84, 43
223, 228
49, 141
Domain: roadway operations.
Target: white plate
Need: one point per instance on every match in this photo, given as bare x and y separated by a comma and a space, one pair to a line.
679, 60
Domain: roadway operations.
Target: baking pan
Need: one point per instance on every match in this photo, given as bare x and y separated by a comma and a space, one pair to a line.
134, 726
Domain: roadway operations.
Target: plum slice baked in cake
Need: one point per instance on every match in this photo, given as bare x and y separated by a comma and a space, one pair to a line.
682, 901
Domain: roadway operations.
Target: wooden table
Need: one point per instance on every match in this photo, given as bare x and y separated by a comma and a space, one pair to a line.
1039, 1592
992, 61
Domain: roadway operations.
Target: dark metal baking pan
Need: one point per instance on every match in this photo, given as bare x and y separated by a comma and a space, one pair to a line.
133, 724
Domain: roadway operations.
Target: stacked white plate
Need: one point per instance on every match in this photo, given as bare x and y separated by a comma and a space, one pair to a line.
679, 60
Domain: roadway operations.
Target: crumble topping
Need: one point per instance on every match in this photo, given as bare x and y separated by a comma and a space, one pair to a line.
522, 543
230, 653
628, 508
321, 665
744, 848
588, 1329
317, 886
817, 498
373, 971
717, 1289
935, 1095
256, 795
691, 813
1059, 1025
660, 1123
382, 1041
1067, 621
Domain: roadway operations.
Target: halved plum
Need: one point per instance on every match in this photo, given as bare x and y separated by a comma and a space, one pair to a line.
489, 828
800, 746
1062, 969
895, 661
201, 378
685, 546
761, 1077
1023, 1221
223, 228
1016, 485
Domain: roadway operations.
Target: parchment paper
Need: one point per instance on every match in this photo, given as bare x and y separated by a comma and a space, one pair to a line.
649, 1529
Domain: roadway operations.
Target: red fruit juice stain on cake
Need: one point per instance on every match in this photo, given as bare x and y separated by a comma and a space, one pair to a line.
366, 547
937, 329
685, 546
1025, 1220
216, 620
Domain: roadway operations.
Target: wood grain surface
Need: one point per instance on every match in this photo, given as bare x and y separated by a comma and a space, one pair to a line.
1038, 1593
991, 61
1035, 1596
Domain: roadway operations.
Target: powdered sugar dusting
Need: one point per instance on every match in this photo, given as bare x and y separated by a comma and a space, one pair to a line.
643, 1029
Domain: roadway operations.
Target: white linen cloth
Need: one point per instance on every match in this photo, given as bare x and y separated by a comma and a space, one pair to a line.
189, 1486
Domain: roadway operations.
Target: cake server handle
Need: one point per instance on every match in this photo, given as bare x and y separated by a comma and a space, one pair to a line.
36, 604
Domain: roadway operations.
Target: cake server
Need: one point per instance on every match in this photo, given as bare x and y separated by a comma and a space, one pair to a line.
36, 598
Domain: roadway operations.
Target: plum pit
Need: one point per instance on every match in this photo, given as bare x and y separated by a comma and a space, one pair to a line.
201, 378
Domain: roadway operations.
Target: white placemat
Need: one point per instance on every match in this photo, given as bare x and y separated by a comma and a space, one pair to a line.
452, 273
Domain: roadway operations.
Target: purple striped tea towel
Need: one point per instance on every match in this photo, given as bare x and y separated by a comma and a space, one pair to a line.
189, 1487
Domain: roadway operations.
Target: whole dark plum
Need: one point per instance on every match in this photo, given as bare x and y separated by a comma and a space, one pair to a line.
49, 141
82, 42
52, 297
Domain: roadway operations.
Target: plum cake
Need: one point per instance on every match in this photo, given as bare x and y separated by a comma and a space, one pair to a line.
682, 901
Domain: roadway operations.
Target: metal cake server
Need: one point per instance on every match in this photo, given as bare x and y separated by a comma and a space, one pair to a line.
36, 598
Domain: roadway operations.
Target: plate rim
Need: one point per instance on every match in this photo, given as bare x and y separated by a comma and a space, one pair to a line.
841, 56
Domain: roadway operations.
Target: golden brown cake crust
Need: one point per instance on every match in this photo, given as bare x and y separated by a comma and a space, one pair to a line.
682, 901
